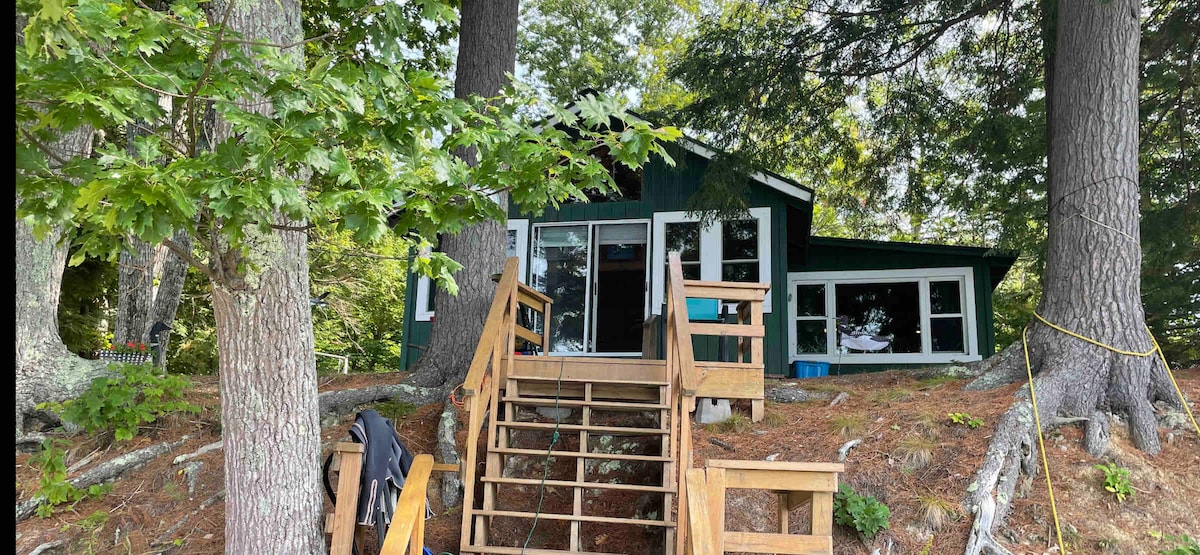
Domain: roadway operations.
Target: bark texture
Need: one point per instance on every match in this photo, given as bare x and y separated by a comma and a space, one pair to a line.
487, 49
135, 293
269, 418
1092, 280
45, 370
170, 288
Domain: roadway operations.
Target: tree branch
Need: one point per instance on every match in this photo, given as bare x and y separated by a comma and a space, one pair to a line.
187, 257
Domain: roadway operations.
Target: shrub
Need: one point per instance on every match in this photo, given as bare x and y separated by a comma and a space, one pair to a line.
965, 419
1184, 545
865, 514
135, 396
1116, 481
54, 487
937, 512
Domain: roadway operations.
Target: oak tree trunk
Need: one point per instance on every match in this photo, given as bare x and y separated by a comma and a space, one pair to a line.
1091, 284
45, 370
487, 49
269, 416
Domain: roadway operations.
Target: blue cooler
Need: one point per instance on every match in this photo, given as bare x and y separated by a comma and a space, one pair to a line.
703, 309
809, 369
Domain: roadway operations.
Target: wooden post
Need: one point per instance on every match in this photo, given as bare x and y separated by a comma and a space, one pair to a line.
347, 461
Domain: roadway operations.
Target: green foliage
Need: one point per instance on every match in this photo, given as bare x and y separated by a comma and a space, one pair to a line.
864, 514
136, 395
1116, 480
1184, 544
54, 489
88, 290
396, 411
193, 345
351, 144
849, 425
965, 419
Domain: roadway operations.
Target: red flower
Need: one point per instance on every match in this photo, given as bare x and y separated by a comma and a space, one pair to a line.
129, 344
141, 346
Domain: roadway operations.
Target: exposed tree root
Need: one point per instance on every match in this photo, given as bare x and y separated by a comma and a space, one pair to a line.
207, 448
1075, 383
106, 472
340, 402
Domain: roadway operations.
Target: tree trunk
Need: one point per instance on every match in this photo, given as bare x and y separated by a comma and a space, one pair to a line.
45, 370
487, 48
269, 417
169, 290
1091, 284
135, 285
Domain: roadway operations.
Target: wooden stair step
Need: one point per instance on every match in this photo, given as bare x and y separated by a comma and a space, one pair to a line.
550, 402
499, 550
574, 484
588, 455
575, 518
569, 379
601, 430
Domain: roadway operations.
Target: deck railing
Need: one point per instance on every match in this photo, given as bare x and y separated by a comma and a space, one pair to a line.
407, 529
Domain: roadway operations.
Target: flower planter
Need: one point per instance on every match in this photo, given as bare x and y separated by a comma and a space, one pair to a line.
127, 358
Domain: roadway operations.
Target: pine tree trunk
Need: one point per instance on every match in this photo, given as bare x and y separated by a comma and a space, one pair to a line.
487, 48
135, 284
269, 411
1091, 284
45, 370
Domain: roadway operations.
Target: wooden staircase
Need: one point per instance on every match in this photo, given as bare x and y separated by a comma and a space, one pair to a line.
577, 446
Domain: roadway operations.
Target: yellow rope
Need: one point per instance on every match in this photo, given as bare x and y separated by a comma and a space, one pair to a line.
1037, 422
1182, 399
1037, 419
1094, 342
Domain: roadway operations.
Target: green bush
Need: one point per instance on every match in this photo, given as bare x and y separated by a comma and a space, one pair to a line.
136, 395
1116, 480
865, 514
1184, 545
54, 489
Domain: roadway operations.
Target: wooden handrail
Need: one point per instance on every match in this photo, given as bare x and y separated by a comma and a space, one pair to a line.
407, 530
491, 329
679, 326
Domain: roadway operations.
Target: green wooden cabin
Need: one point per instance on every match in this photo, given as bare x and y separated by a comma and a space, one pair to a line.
603, 263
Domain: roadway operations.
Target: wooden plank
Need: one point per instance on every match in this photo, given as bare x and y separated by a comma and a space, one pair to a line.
605, 405
534, 293
410, 508
758, 409
777, 480
789, 544
349, 456
688, 380
601, 430
575, 484
589, 455
582, 518
643, 383
528, 335
782, 508
491, 328
447, 467
728, 383
776, 465
499, 550
526, 297
700, 534
722, 293
729, 330
589, 369
822, 513
549, 389
797, 499
726, 284
468, 476
715, 486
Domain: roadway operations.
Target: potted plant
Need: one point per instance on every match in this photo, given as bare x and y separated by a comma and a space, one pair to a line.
132, 352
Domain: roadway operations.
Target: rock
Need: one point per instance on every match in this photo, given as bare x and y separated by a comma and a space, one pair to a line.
840, 398
711, 411
772, 456
790, 393
558, 415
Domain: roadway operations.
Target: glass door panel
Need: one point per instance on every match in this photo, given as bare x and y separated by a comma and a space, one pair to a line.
560, 269
619, 287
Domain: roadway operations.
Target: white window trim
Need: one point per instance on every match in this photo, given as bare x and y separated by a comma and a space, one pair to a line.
922, 276
423, 314
711, 256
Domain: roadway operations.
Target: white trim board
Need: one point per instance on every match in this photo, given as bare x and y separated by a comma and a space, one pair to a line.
696, 147
965, 275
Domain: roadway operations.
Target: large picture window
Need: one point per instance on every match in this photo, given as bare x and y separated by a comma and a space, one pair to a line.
733, 250
898, 316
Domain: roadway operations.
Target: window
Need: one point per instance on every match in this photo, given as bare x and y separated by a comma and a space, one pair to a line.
735, 250
518, 245
883, 316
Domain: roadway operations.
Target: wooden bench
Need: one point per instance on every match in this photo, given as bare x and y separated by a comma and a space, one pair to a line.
796, 484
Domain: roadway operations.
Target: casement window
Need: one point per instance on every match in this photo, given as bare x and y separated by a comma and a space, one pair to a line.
922, 315
733, 250
518, 245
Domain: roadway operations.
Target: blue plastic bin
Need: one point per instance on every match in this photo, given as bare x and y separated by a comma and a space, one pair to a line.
703, 309
809, 369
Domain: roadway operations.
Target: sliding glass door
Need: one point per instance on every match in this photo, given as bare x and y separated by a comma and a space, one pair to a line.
561, 269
